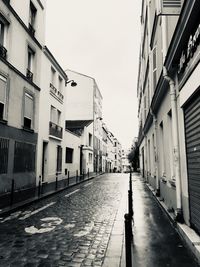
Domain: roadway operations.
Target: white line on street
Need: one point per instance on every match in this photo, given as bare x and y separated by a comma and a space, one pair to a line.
36, 211
72, 193
88, 184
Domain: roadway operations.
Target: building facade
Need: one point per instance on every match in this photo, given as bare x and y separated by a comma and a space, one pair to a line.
50, 150
157, 112
21, 22
182, 70
169, 122
84, 103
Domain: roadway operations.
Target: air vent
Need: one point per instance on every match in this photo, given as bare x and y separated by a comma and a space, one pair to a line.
172, 3
169, 7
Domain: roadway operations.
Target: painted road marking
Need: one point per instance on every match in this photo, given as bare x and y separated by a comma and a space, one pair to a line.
88, 184
72, 193
36, 211
49, 225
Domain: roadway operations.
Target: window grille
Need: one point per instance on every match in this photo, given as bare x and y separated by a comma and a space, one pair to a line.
24, 157
4, 147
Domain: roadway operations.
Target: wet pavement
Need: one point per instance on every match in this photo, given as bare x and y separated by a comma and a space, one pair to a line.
156, 243
71, 228
83, 226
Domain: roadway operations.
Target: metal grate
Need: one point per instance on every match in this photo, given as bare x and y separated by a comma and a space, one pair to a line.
4, 147
24, 159
172, 3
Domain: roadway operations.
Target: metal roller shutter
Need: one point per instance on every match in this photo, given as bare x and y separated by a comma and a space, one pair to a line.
192, 135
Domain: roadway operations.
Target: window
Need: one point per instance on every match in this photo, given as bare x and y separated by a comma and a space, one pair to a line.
28, 111
69, 155
154, 52
55, 116
53, 73
3, 83
162, 149
2, 33
60, 84
29, 73
32, 17
59, 158
3, 50
90, 139
4, 147
90, 158
24, 157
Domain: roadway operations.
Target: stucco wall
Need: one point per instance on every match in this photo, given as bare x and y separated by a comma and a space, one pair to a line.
79, 99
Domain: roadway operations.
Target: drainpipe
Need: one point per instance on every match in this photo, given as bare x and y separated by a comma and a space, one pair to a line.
176, 153
145, 159
156, 153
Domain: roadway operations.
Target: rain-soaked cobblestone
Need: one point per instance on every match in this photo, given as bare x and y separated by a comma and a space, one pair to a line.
65, 229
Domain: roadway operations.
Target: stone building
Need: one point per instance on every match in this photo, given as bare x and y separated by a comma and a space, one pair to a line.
22, 28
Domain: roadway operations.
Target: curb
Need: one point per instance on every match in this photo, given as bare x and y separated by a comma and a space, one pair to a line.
187, 234
6, 211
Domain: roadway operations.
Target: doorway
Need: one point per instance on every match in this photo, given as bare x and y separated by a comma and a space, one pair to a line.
44, 160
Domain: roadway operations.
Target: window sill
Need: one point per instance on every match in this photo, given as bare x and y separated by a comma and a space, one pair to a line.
2, 121
28, 130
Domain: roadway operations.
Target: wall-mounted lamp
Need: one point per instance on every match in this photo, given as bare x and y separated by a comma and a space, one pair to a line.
99, 118
73, 83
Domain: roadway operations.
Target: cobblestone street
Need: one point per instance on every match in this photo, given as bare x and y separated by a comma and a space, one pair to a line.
71, 228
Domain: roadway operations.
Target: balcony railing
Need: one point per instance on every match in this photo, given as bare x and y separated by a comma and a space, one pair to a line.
55, 130
3, 51
56, 92
29, 75
31, 30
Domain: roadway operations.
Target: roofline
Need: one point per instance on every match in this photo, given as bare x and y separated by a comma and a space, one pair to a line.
53, 60
80, 74
87, 76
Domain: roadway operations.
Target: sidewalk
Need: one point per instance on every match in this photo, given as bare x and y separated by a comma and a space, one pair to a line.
156, 240
190, 237
45, 191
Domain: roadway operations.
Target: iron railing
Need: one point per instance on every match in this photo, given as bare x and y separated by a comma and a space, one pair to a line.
3, 51
29, 75
55, 130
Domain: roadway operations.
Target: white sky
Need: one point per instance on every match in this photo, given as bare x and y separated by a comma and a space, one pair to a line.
100, 38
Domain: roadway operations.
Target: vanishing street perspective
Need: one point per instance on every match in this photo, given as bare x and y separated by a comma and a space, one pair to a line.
99, 133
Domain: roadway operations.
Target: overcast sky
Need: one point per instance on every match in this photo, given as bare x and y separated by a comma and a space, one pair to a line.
100, 38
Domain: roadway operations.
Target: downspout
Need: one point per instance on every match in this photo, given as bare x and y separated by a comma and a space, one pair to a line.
156, 153
176, 153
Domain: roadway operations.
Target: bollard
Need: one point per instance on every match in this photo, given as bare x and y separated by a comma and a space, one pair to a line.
130, 197
56, 180
77, 176
88, 173
12, 192
68, 178
130, 203
128, 239
39, 186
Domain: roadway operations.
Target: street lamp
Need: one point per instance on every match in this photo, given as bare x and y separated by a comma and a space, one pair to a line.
73, 83
99, 118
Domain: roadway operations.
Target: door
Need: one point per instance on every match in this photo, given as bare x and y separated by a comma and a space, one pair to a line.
192, 138
44, 160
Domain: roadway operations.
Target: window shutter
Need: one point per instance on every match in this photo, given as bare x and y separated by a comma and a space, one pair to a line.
28, 106
2, 89
154, 67
53, 115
